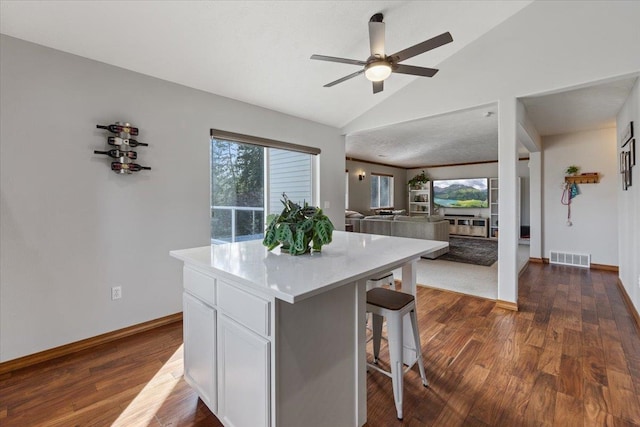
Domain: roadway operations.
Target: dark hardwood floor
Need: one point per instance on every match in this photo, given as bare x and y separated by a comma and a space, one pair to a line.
569, 357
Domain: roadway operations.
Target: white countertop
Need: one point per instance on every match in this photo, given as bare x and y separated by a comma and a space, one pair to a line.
350, 257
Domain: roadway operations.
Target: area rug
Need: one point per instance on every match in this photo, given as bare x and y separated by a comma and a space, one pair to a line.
472, 251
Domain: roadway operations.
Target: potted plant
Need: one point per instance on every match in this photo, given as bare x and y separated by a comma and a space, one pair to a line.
419, 181
572, 170
299, 229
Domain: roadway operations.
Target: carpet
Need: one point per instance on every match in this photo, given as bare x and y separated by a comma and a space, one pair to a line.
472, 251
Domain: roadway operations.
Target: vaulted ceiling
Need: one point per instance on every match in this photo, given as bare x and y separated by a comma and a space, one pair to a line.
258, 52
255, 51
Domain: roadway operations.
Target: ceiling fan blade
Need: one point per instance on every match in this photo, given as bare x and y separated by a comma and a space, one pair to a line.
378, 86
415, 71
376, 38
423, 47
340, 60
350, 76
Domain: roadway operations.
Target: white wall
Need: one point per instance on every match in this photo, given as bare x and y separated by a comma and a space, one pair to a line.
70, 229
629, 204
360, 191
594, 212
522, 170
535, 205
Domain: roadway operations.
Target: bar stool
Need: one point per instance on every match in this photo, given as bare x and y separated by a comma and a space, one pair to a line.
381, 279
393, 305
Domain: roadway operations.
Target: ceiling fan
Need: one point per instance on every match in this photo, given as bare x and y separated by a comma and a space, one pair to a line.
380, 66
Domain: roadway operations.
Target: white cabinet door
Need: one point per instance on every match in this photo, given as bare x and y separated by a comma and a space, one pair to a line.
243, 376
199, 322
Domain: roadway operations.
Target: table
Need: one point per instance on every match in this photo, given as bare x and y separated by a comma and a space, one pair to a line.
278, 340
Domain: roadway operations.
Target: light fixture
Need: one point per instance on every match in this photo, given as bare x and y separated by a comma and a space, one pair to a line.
361, 176
378, 70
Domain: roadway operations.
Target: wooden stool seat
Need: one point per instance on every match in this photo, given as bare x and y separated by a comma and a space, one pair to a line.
386, 298
392, 305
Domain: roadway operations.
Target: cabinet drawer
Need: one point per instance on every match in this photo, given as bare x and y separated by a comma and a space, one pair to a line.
464, 229
244, 308
479, 231
199, 285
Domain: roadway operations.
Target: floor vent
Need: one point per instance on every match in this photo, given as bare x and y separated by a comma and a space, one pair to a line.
566, 258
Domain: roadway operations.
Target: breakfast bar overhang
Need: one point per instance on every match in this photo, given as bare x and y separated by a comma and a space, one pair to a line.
277, 340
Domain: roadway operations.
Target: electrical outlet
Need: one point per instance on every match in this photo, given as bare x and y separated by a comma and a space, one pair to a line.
116, 292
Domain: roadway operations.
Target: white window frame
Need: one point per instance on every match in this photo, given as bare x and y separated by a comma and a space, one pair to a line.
391, 193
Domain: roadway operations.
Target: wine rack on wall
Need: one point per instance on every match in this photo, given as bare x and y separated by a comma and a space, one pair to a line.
121, 147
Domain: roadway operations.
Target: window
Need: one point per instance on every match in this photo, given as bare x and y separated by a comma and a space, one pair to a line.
248, 179
381, 191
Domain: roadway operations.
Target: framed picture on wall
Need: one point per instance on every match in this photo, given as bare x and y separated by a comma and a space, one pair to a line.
627, 173
624, 170
632, 152
627, 134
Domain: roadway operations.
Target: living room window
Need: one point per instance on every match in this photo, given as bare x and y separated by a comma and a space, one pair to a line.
248, 176
381, 191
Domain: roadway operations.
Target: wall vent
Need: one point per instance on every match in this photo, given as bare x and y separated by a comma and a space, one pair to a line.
566, 258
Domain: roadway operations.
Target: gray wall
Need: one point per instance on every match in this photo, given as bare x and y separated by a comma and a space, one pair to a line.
360, 191
629, 204
594, 211
70, 229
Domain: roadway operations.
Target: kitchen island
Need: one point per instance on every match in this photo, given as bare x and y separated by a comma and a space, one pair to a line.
277, 340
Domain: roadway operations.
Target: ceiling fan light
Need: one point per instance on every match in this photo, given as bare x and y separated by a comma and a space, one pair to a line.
377, 71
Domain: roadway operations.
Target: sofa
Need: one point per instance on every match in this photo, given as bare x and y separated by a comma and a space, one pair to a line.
417, 227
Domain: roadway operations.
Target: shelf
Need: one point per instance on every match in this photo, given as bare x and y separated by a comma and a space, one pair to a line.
494, 195
585, 178
420, 201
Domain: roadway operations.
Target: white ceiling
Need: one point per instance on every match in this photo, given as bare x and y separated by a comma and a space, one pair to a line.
470, 136
258, 52
461, 137
586, 108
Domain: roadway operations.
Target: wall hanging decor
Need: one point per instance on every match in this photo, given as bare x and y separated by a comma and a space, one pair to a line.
583, 178
627, 134
569, 191
123, 144
627, 157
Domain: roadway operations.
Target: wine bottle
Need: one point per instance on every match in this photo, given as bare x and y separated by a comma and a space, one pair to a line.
115, 153
128, 167
116, 140
116, 128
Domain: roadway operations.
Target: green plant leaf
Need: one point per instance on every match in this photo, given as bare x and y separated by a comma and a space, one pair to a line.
270, 240
317, 244
323, 230
300, 243
284, 234
306, 225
